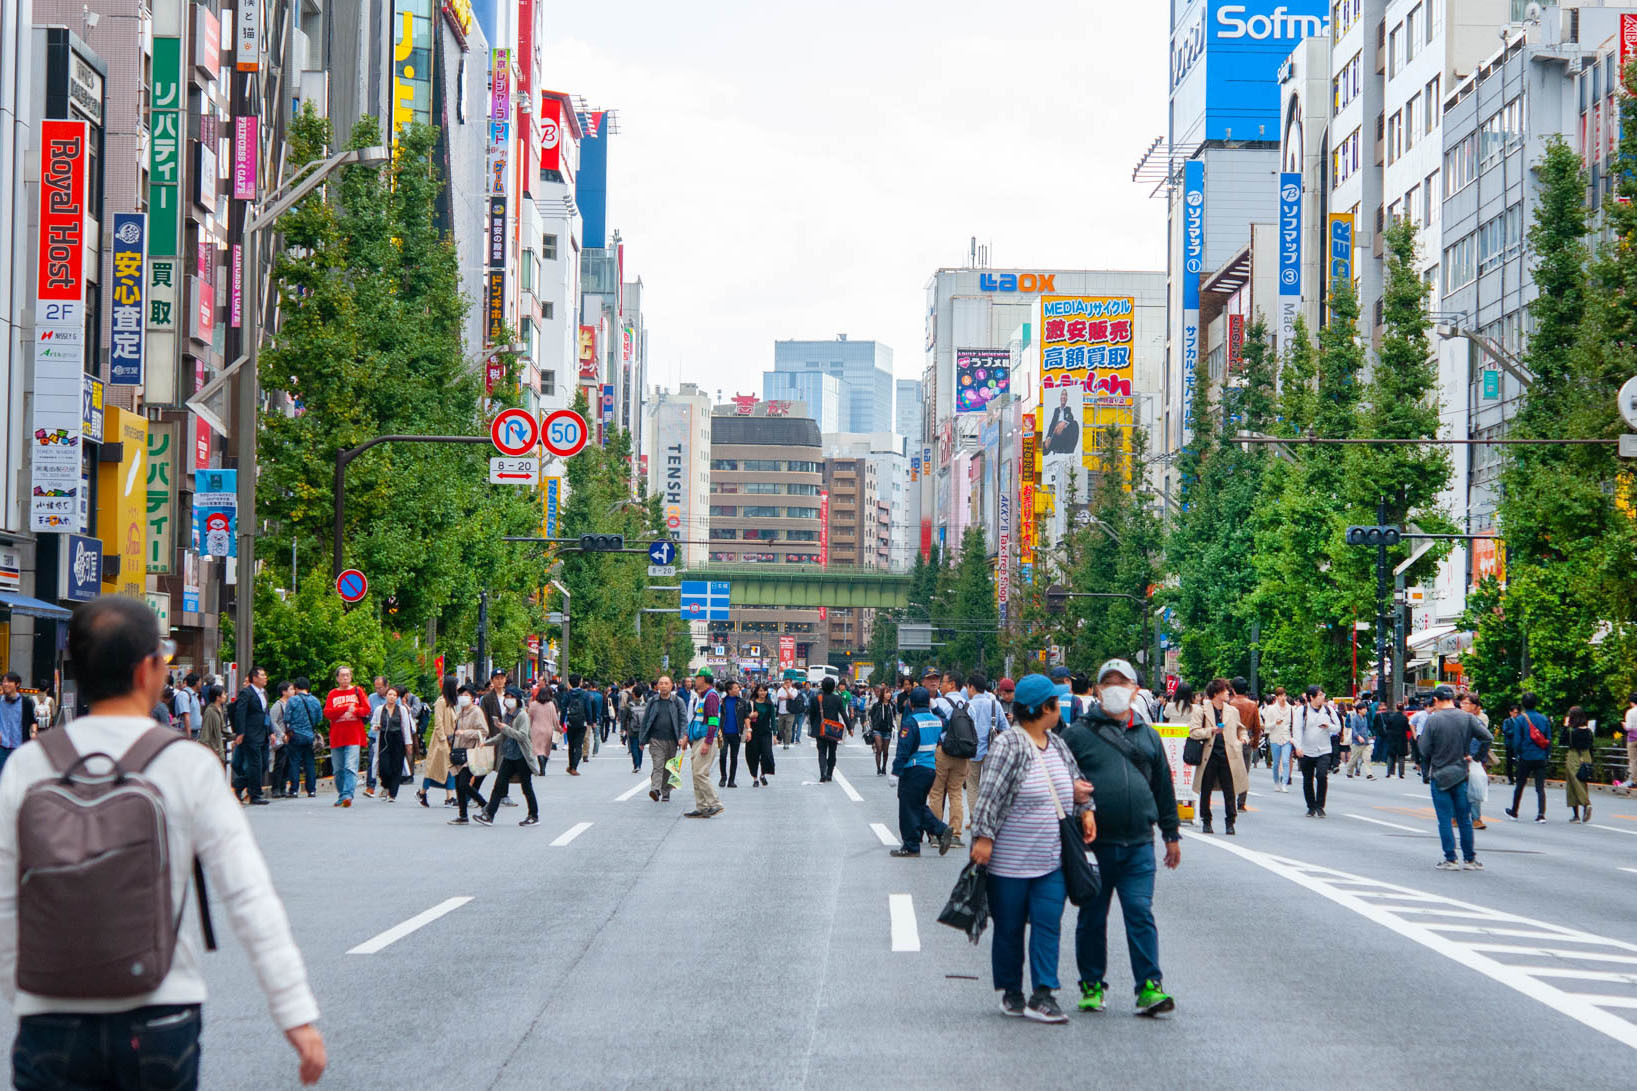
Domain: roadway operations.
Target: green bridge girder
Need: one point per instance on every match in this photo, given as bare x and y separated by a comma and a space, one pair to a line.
802, 585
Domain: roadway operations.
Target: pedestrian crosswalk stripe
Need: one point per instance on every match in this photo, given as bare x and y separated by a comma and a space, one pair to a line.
399, 931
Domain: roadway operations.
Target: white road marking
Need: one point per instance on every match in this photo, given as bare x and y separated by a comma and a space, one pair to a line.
906, 936
633, 790
1551, 952
847, 786
1614, 829
884, 835
1535, 982
399, 931
1379, 822
570, 834
1633, 870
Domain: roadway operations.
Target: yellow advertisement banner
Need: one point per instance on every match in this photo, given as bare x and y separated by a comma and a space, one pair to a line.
122, 504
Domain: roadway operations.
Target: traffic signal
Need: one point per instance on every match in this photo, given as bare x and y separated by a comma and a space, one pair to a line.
1057, 597
601, 543
1374, 536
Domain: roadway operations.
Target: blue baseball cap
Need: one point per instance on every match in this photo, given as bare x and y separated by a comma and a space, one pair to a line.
920, 697
1033, 691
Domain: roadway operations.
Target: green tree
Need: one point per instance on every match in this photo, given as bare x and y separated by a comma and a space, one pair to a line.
972, 614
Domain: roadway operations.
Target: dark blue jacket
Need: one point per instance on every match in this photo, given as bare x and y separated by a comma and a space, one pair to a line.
918, 736
1527, 748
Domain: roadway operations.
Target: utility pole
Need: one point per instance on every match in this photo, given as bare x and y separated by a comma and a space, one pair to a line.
482, 635
1381, 605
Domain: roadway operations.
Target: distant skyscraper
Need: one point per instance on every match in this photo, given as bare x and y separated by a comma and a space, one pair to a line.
907, 410
864, 369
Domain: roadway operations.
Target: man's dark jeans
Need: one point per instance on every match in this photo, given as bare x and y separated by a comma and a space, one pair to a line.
509, 768
576, 745
914, 816
1530, 768
254, 767
300, 762
1128, 869
1315, 780
151, 1048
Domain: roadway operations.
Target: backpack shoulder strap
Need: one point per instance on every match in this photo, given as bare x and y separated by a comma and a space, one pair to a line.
1127, 750
59, 748
147, 747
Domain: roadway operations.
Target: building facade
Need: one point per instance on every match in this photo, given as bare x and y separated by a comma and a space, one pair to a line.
864, 372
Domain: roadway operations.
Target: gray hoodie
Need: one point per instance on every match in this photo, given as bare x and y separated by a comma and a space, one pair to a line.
1311, 728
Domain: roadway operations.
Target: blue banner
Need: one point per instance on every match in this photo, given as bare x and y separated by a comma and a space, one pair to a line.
84, 568
216, 513
1193, 232
127, 323
1290, 235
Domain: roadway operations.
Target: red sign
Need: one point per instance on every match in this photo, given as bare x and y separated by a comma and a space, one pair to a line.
824, 528
1628, 45
514, 432
588, 352
534, 647
787, 652
494, 372
63, 162
551, 132
743, 404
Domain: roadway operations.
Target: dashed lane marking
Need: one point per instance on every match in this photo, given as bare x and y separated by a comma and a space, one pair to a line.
1465, 933
570, 834
1612, 829
847, 786
399, 931
906, 936
1379, 822
885, 836
633, 790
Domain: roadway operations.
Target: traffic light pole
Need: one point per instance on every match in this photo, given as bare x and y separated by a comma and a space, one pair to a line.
1381, 608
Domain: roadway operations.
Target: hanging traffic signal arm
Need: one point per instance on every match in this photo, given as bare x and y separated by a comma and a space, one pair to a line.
586, 543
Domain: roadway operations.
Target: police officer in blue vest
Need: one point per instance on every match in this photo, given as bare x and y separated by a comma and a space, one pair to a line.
919, 734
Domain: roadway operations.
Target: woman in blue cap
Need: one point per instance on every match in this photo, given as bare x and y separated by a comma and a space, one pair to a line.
1029, 778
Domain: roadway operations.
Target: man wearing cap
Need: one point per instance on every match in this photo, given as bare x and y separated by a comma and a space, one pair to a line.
1446, 741
1125, 761
1005, 690
1062, 682
913, 768
704, 721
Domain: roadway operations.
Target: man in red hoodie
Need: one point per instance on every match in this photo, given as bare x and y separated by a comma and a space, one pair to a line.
347, 709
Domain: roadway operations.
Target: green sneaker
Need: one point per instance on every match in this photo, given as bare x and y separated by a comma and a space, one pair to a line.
1152, 1000
1091, 996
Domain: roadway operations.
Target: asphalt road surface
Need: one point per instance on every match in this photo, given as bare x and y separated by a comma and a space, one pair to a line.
777, 945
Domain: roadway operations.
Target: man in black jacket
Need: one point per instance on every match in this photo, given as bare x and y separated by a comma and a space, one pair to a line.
252, 728
1131, 779
664, 727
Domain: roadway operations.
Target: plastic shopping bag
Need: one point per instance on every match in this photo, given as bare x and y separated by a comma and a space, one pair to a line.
968, 906
673, 769
1477, 782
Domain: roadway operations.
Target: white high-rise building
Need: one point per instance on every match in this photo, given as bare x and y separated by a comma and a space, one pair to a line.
679, 446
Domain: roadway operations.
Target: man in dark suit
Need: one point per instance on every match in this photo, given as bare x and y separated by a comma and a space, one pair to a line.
1063, 432
253, 727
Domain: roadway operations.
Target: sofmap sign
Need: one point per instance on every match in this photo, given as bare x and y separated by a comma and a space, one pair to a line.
1193, 232
1237, 48
1290, 255
1017, 282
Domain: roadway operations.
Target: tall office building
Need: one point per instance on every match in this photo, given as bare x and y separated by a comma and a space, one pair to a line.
906, 411
863, 368
766, 499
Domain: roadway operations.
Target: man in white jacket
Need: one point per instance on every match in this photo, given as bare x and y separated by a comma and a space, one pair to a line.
1311, 725
115, 647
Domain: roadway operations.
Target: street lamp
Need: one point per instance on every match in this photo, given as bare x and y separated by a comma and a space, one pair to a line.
265, 214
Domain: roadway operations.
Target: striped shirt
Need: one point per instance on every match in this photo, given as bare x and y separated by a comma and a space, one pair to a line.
1028, 842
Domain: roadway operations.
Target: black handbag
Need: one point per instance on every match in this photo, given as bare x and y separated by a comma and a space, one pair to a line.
1193, 751
1080, 875
457, 755
1586, 773
968, 907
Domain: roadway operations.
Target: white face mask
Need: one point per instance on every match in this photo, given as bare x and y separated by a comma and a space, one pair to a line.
511, 704
464, 700
1117, 700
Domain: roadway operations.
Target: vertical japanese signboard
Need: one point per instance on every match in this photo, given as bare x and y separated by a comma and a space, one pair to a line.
162, 444
247, 36
411, 64
1290, 256
500, 111
1086, 374
128, 342
59, 335
245, 149
824, 528
1193, 267
166, 98
1003, 574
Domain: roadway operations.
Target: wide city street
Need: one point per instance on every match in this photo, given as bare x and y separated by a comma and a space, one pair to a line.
618, 944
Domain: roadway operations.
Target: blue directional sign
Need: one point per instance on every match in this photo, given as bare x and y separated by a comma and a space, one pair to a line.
706, 601
662, 553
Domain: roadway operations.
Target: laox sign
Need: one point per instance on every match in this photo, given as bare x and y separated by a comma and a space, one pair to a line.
1014, 282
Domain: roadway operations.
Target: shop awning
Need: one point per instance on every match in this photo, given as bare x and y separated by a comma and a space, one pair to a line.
22, 604
1424, 637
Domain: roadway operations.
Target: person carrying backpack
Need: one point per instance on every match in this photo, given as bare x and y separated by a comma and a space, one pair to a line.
576, 715
958, 746
123, 999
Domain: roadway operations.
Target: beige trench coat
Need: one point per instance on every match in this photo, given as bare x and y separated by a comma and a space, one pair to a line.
1203, 727
436, 768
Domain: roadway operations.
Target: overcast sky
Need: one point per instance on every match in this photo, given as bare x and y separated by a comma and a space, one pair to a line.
798, 172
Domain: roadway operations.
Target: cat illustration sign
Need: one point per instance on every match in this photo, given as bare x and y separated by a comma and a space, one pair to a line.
351, 585
514, 432
565, 433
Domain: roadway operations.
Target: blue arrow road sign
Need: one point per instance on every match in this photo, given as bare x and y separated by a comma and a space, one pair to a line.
702, 601
661, 553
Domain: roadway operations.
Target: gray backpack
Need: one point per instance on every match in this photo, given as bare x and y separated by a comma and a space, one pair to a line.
94, 912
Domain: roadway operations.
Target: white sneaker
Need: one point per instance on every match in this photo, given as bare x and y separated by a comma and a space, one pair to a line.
1472, 865
1447, 865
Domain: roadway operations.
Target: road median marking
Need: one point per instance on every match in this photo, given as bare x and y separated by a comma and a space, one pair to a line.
570, 834
399, 931
633, 790
1612, 829
1355, 892
906, 935
847, 786
885, 836
1379, 822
